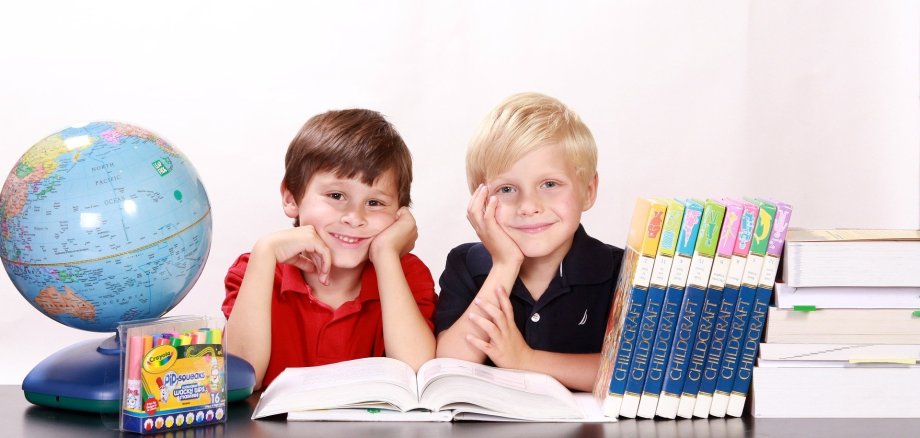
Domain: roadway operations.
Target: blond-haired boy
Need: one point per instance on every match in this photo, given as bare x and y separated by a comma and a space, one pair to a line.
536, 292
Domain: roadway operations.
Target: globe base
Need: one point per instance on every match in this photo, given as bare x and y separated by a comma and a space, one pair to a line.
81, 377
86, 377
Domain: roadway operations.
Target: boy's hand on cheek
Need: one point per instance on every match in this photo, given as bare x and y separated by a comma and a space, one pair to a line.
398, 238
481, 213
505, 346
302, 247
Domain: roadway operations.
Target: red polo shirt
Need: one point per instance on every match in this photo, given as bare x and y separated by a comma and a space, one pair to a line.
307, 332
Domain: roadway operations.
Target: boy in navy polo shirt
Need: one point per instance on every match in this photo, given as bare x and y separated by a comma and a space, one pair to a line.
340, 284
536, 292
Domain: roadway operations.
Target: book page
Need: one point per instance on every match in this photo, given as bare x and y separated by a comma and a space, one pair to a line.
844, 235
465, 386
376, 381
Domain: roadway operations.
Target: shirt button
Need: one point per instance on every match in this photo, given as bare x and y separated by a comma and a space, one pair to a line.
535, 317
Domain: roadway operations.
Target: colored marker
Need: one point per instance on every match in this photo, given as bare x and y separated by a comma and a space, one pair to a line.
133, 371
214, 336
148, 344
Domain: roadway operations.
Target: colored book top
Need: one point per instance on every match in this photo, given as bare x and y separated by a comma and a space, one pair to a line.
723, 261
689, 230
710, 226
775, 245
749, 213
690, 227
780, 226
761, 237
653, 228
651, 235
671, 231
742, 246
668, 242
638, 224
730, 226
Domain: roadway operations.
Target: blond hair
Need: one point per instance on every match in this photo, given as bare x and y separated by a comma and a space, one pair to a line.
521, 124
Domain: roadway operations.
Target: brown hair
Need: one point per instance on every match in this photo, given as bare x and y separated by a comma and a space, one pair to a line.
350, 143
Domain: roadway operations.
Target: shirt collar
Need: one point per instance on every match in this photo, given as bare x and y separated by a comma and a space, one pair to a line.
292, 281
589, 261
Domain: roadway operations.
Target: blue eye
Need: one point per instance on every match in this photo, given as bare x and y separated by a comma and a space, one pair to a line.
550, 184
505, 189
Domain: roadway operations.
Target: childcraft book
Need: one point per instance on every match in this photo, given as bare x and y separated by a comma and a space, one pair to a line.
385, 389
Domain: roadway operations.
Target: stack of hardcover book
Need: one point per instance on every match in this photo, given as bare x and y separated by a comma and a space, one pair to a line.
843, 339
690, 307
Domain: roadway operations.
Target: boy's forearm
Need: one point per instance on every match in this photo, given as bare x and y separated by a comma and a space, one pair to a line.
452, 341
575, 371
406, 334
249, 325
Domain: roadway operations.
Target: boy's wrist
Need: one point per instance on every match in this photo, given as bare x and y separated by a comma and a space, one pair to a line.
377, 255
263, 249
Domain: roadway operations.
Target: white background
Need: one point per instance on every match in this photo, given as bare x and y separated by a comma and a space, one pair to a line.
812, 102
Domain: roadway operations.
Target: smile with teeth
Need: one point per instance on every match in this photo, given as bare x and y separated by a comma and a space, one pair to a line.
348, 240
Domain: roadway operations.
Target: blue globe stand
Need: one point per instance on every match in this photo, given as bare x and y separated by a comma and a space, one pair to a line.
86, 377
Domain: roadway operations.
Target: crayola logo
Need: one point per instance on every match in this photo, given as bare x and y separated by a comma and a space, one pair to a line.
160, 359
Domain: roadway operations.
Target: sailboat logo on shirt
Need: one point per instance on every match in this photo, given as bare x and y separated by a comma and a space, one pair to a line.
584, 318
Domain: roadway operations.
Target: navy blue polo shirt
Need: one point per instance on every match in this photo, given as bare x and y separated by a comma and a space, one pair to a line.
570, 316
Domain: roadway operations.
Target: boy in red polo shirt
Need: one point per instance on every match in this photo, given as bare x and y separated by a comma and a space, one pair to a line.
341, 283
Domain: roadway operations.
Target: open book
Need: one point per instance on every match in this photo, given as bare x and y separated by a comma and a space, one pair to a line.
384, 389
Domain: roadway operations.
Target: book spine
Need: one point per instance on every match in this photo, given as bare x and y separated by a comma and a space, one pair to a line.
689, 316
714, 355
677, 280
710, 309
781, 213
709, 312
735, 311
644, 235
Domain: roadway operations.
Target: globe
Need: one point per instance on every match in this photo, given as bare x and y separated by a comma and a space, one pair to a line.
103, 223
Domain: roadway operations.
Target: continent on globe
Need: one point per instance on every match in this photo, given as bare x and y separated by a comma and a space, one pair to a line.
67, 303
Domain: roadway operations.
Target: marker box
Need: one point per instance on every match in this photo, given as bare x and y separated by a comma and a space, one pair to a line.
176, 384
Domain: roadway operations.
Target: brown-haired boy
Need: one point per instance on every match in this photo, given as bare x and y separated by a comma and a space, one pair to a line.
341, 283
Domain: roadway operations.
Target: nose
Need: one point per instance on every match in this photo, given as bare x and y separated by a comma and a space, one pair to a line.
529, 204
354, 217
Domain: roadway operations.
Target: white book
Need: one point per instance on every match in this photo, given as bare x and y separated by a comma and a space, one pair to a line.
846, 297
817, 258
841, 392
795, 354
843, 326
362, 389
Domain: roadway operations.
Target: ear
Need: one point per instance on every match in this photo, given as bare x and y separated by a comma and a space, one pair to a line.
289, 203
590, 194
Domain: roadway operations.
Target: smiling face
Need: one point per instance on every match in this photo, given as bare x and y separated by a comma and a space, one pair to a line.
346, 213
540, 201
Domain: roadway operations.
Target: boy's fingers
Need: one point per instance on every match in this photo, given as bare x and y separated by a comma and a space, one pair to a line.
495, 314
480, 345
485, 324
477, 203
504, 302
489, 214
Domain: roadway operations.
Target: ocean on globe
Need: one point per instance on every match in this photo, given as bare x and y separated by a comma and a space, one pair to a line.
104, 223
